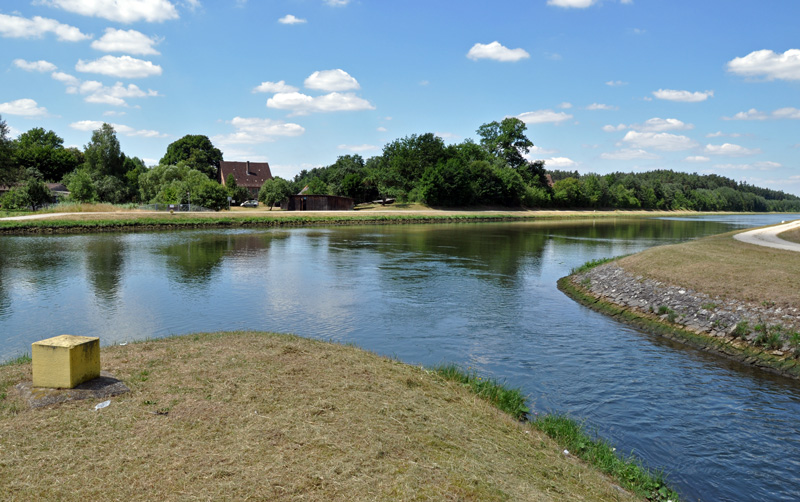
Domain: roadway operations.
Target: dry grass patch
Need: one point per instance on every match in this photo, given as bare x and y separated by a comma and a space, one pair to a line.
269, 417
722, 266
791, 235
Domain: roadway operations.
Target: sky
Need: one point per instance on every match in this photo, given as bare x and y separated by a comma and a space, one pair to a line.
708, 86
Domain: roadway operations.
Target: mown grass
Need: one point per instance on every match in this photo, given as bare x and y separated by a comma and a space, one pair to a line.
722, 266
246, 415
568, 433
791, 235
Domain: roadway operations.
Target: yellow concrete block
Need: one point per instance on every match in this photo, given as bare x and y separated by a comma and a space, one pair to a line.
65, 361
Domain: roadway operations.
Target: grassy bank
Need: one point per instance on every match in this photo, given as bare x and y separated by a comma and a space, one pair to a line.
275, 417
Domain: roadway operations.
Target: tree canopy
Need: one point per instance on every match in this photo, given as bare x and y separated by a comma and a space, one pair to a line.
506, 139
197, 151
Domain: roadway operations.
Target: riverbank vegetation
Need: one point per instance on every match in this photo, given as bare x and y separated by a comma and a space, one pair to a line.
420, 168
254, 415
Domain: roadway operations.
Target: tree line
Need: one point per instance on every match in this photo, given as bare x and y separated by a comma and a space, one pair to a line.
416, 168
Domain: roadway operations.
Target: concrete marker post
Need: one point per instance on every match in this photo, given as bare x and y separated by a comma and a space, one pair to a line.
65, 361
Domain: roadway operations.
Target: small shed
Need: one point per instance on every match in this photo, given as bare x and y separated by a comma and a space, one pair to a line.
317, 203
250, 175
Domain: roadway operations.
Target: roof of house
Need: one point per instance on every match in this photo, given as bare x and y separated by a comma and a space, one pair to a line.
248, 174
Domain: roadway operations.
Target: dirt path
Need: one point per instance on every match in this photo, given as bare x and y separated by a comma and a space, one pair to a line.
769, 236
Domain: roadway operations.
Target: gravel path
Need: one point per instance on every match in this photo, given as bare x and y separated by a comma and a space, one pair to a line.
768, 236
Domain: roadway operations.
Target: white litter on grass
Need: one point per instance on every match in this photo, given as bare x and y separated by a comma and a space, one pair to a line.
102, 405
566, 452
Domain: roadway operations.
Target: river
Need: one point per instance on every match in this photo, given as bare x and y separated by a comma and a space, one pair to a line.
482, 295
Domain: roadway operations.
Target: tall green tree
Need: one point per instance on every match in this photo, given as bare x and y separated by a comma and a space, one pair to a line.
507, 140
9, 172
274, 191
103, 154
43, 153
196, 150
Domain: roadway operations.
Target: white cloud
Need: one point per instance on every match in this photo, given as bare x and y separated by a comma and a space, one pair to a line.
660, 141
128, 11
358, 148
629, 154
381, 129
113, 113
331, 80
696, 158
290, 19
565, 105
756, 166
251, 131
497, 52
336, 3
560, 162
577, 4
40, 66
660, 125
720, 134
447, 135
65, 78
91, 125
616, 128
543, 116
23, 107
730, 150
768, 64
37, 27
538, 151
683, 96
616, 83
600, 106
274, 87
121, 67
116, 95
751, 114
302, 104
130, 42
787, 113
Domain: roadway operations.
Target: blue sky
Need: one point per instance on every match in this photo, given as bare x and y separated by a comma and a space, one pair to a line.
604, 85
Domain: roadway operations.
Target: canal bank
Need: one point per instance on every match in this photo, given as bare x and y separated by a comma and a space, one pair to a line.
757, 325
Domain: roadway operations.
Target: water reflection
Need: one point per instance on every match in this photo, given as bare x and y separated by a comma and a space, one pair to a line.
105, 260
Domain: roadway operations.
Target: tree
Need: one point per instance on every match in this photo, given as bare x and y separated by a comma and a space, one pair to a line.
235, 192
9, 172
197, 151
103, 154
43, 153
33, 193
274, 191
80, 185
506, 140
405, 160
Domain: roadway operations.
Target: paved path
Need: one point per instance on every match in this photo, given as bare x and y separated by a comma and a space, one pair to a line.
768, 236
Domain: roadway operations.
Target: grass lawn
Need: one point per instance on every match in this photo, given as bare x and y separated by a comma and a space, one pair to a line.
723, 266
791, 235
256, 416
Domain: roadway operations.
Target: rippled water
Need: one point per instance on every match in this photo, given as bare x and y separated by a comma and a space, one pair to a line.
482, 295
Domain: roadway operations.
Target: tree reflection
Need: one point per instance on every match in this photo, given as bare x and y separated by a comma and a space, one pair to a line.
105, 259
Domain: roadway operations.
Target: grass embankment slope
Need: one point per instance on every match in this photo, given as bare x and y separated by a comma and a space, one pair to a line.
791, 235
722, 266
255, 416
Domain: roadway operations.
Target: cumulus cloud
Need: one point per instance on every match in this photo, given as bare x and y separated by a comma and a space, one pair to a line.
575, 4
683, 96
660, 141
336, 3
331, 80
656, 124
302, 104
290, 19
751, 114
787, 113
614, 128
497, 52
37, 27
696, 158
121, 67
768, 64
616, 83
91, 125
560, 162
543, 116
65, 78
730, 150
600, 106
130, 42
251, 131
720, 134
565, 105
24, 108
41, 66
756, 166
381, 129
629, 154
358, 148
115, 95
274, 87
129, 11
